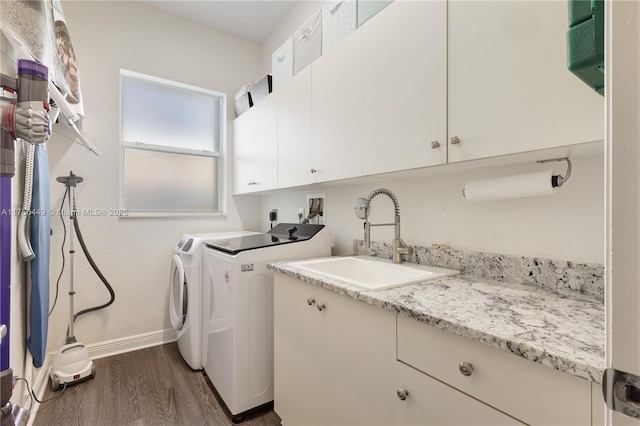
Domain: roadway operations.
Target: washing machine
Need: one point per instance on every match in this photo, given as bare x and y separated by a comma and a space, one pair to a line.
237, 301
185, 292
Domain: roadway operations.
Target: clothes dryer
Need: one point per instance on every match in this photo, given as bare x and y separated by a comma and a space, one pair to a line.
238, 309
185, 292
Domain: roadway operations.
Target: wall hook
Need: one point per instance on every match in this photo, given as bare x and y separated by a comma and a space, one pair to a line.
558, 180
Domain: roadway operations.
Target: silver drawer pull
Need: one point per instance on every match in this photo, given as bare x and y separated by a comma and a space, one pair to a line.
321, 306
435, 144
402, 394
465, 368
454, 140
311, 301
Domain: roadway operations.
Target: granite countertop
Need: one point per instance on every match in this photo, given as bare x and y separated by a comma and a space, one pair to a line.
563, 330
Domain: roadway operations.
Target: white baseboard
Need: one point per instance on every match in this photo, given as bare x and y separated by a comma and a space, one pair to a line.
131, 343
100, 350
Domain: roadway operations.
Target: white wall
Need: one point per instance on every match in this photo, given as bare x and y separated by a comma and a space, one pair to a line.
133, 253
568, 225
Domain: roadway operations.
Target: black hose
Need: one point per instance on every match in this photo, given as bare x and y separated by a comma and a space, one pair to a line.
96, 269
64, 240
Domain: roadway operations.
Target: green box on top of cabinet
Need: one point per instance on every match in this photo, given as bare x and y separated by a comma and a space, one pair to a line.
585, 42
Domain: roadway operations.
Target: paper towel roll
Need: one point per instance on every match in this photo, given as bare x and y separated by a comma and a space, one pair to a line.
519, 186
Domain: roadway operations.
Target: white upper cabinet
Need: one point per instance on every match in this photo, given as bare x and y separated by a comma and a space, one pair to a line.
404, 98
255, 148
336, 115
294, 131
422, 83
509, 87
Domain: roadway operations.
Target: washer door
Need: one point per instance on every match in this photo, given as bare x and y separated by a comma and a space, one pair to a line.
177, 293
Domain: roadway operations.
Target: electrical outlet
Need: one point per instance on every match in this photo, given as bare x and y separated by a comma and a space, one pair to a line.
316, 206
273, 215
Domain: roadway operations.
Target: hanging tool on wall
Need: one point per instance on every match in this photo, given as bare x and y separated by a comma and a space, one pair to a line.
24, 115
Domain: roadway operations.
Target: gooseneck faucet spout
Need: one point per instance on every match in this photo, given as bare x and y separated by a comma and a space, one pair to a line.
399, 246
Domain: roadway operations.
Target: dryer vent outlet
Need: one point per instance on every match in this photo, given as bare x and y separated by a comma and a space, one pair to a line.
316, 206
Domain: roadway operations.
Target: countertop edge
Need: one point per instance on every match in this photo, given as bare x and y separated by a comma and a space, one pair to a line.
532, 353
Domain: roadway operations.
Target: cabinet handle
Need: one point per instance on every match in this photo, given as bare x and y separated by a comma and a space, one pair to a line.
465, 368
313, 171
454, 140
435, 144
321, 306
311, 301
402, 394
253, 183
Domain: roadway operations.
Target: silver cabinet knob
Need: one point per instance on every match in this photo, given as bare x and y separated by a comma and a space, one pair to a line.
435, 144
321, 306
313, 171
454, 140
402, 394
465, 368
311, 301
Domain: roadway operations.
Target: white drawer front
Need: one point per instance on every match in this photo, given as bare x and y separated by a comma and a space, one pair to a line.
531, 392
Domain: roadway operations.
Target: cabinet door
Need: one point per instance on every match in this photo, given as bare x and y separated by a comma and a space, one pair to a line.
509, 87
405, 87
356, 356
294, 131
334, 357
336, 116
242, 153
431, 402
265, 147
255, 148
295, 351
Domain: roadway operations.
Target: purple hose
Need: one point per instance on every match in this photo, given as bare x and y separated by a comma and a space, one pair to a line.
5, 266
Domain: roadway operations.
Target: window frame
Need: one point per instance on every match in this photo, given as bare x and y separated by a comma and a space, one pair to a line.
220, 154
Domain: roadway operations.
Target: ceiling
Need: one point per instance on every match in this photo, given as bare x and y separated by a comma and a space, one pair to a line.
253, 20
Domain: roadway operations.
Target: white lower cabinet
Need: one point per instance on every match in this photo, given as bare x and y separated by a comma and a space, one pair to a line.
530, 392
343, 362
334, 357
427, 401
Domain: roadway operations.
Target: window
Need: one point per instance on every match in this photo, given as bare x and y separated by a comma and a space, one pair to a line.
171, 139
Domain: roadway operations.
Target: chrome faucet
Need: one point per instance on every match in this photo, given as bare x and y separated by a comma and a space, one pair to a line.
399, 246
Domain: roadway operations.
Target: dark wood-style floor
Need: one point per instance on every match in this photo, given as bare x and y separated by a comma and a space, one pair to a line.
151, 386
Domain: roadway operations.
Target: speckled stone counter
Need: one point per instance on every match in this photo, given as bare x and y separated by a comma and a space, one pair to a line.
560, 329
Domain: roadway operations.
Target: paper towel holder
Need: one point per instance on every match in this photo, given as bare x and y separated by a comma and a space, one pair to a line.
558, 180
